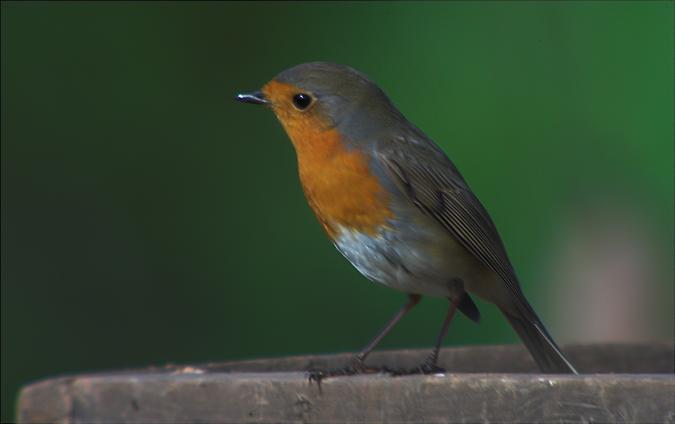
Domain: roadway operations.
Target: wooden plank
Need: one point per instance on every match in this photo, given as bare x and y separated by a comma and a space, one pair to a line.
497, 384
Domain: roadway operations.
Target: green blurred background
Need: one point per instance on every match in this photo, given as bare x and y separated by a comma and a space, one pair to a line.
148, 218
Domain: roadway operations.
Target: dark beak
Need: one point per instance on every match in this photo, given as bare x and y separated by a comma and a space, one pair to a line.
257, 98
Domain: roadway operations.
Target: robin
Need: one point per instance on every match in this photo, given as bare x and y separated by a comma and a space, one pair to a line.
396, 207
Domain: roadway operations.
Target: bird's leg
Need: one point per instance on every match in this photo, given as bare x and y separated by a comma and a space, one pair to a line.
357, 365
429, 365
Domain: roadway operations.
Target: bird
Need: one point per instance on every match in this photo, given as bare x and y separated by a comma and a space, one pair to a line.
398, 209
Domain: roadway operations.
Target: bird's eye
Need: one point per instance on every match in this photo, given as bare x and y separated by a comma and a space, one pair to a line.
302, 101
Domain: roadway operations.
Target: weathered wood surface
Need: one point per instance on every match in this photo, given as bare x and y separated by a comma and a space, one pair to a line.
619, 383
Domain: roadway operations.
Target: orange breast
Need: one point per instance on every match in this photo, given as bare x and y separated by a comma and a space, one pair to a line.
340, 188
337, 183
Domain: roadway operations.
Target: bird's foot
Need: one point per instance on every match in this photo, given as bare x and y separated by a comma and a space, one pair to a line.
427, 367
355, 367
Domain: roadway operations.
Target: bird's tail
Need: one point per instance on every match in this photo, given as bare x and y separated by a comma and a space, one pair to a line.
540, 344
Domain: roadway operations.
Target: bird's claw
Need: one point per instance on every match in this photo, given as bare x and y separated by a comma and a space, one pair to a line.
425, 367
354, 368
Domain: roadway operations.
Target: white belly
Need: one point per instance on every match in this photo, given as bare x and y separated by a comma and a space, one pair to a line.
439, 269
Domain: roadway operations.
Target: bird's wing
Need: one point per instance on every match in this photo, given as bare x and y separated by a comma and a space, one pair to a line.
430, 180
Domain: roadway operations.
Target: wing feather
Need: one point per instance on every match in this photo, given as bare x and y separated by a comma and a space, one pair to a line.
442, 193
